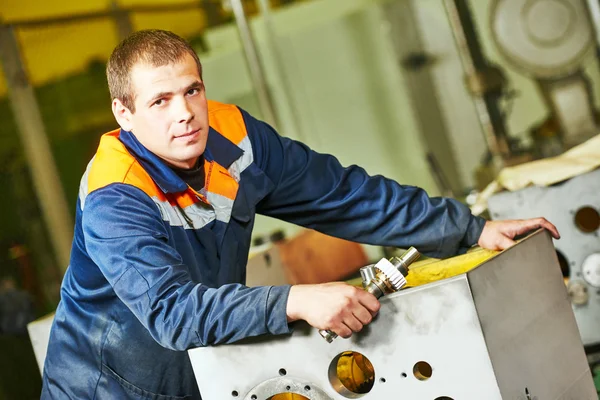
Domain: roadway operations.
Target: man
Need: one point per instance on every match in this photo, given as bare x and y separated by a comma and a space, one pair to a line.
164, 218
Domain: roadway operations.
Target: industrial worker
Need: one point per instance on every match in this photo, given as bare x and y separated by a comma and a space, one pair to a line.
164, 219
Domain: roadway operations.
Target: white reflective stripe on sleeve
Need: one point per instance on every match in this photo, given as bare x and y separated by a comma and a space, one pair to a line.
83, 184
195, 216
222, 206
242, 163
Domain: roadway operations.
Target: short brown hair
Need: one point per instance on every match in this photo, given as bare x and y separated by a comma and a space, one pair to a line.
151, 46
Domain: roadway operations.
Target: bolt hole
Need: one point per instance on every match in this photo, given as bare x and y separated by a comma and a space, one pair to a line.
352, 372
253, 397
382, 380
287, 388
282, 372
306, 387
422, 370
587, 219
564, 264
404, 375
234, 393
288, 396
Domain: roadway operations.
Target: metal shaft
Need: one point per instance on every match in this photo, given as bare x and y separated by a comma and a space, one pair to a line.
375, 288
474, 62
46, 180
375, 285
255, 67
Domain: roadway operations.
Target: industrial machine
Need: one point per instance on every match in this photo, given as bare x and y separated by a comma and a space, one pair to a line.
573, 207
549, 40
503, 330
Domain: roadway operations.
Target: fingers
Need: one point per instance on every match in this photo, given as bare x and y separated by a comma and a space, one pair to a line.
534, 223
358, 312
504, 242
498, 235
368, 301
352, 324
343, 331
544, 223
337, 306
363, 315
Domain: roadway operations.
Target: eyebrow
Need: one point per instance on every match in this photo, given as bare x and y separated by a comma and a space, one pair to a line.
193, 85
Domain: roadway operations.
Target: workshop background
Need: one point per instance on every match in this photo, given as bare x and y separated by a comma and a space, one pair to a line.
428, 92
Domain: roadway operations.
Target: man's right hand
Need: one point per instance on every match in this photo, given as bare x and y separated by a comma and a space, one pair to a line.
336, 306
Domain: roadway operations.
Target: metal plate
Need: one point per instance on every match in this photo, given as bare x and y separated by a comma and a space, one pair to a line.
528, 324
559, 204
438, 323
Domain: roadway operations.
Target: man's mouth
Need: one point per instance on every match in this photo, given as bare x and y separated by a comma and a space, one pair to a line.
188, 134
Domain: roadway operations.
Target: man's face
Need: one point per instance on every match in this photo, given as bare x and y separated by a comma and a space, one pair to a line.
171, 112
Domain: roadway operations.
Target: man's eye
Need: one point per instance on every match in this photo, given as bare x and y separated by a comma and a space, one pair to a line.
192, 92
158, 102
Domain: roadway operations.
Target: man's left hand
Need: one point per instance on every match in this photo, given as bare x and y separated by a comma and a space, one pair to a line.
499, 235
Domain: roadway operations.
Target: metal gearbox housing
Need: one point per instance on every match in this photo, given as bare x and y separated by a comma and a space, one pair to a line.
573, 207
502, 330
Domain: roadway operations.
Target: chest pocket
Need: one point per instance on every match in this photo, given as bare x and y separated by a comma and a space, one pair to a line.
254, 185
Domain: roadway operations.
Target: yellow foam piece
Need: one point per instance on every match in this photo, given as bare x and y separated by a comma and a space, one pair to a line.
431, 270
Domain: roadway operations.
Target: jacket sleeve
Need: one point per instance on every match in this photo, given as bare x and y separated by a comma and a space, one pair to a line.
126, 237
314, 190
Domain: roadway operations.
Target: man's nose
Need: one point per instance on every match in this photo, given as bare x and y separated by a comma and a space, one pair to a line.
183, 111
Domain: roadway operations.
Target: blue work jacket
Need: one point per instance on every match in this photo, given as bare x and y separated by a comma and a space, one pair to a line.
157, 268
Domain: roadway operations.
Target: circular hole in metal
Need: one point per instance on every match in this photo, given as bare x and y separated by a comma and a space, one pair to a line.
287, 388
382, 380
307, 388
351, 374
282, 372
422, 370
444, 398
288, 396
253, 397
564, 264
403, 375
234, 393
587, 219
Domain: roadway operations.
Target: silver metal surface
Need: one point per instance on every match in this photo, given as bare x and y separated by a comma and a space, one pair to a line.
500, 331
590, 269
545, 38
46, 180
559, 204
367, 274
255, 67
284, 384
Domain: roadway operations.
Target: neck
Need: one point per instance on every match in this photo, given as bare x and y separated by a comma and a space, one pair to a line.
189, 164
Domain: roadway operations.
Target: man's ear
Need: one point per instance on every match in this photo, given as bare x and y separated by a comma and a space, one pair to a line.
122, 115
